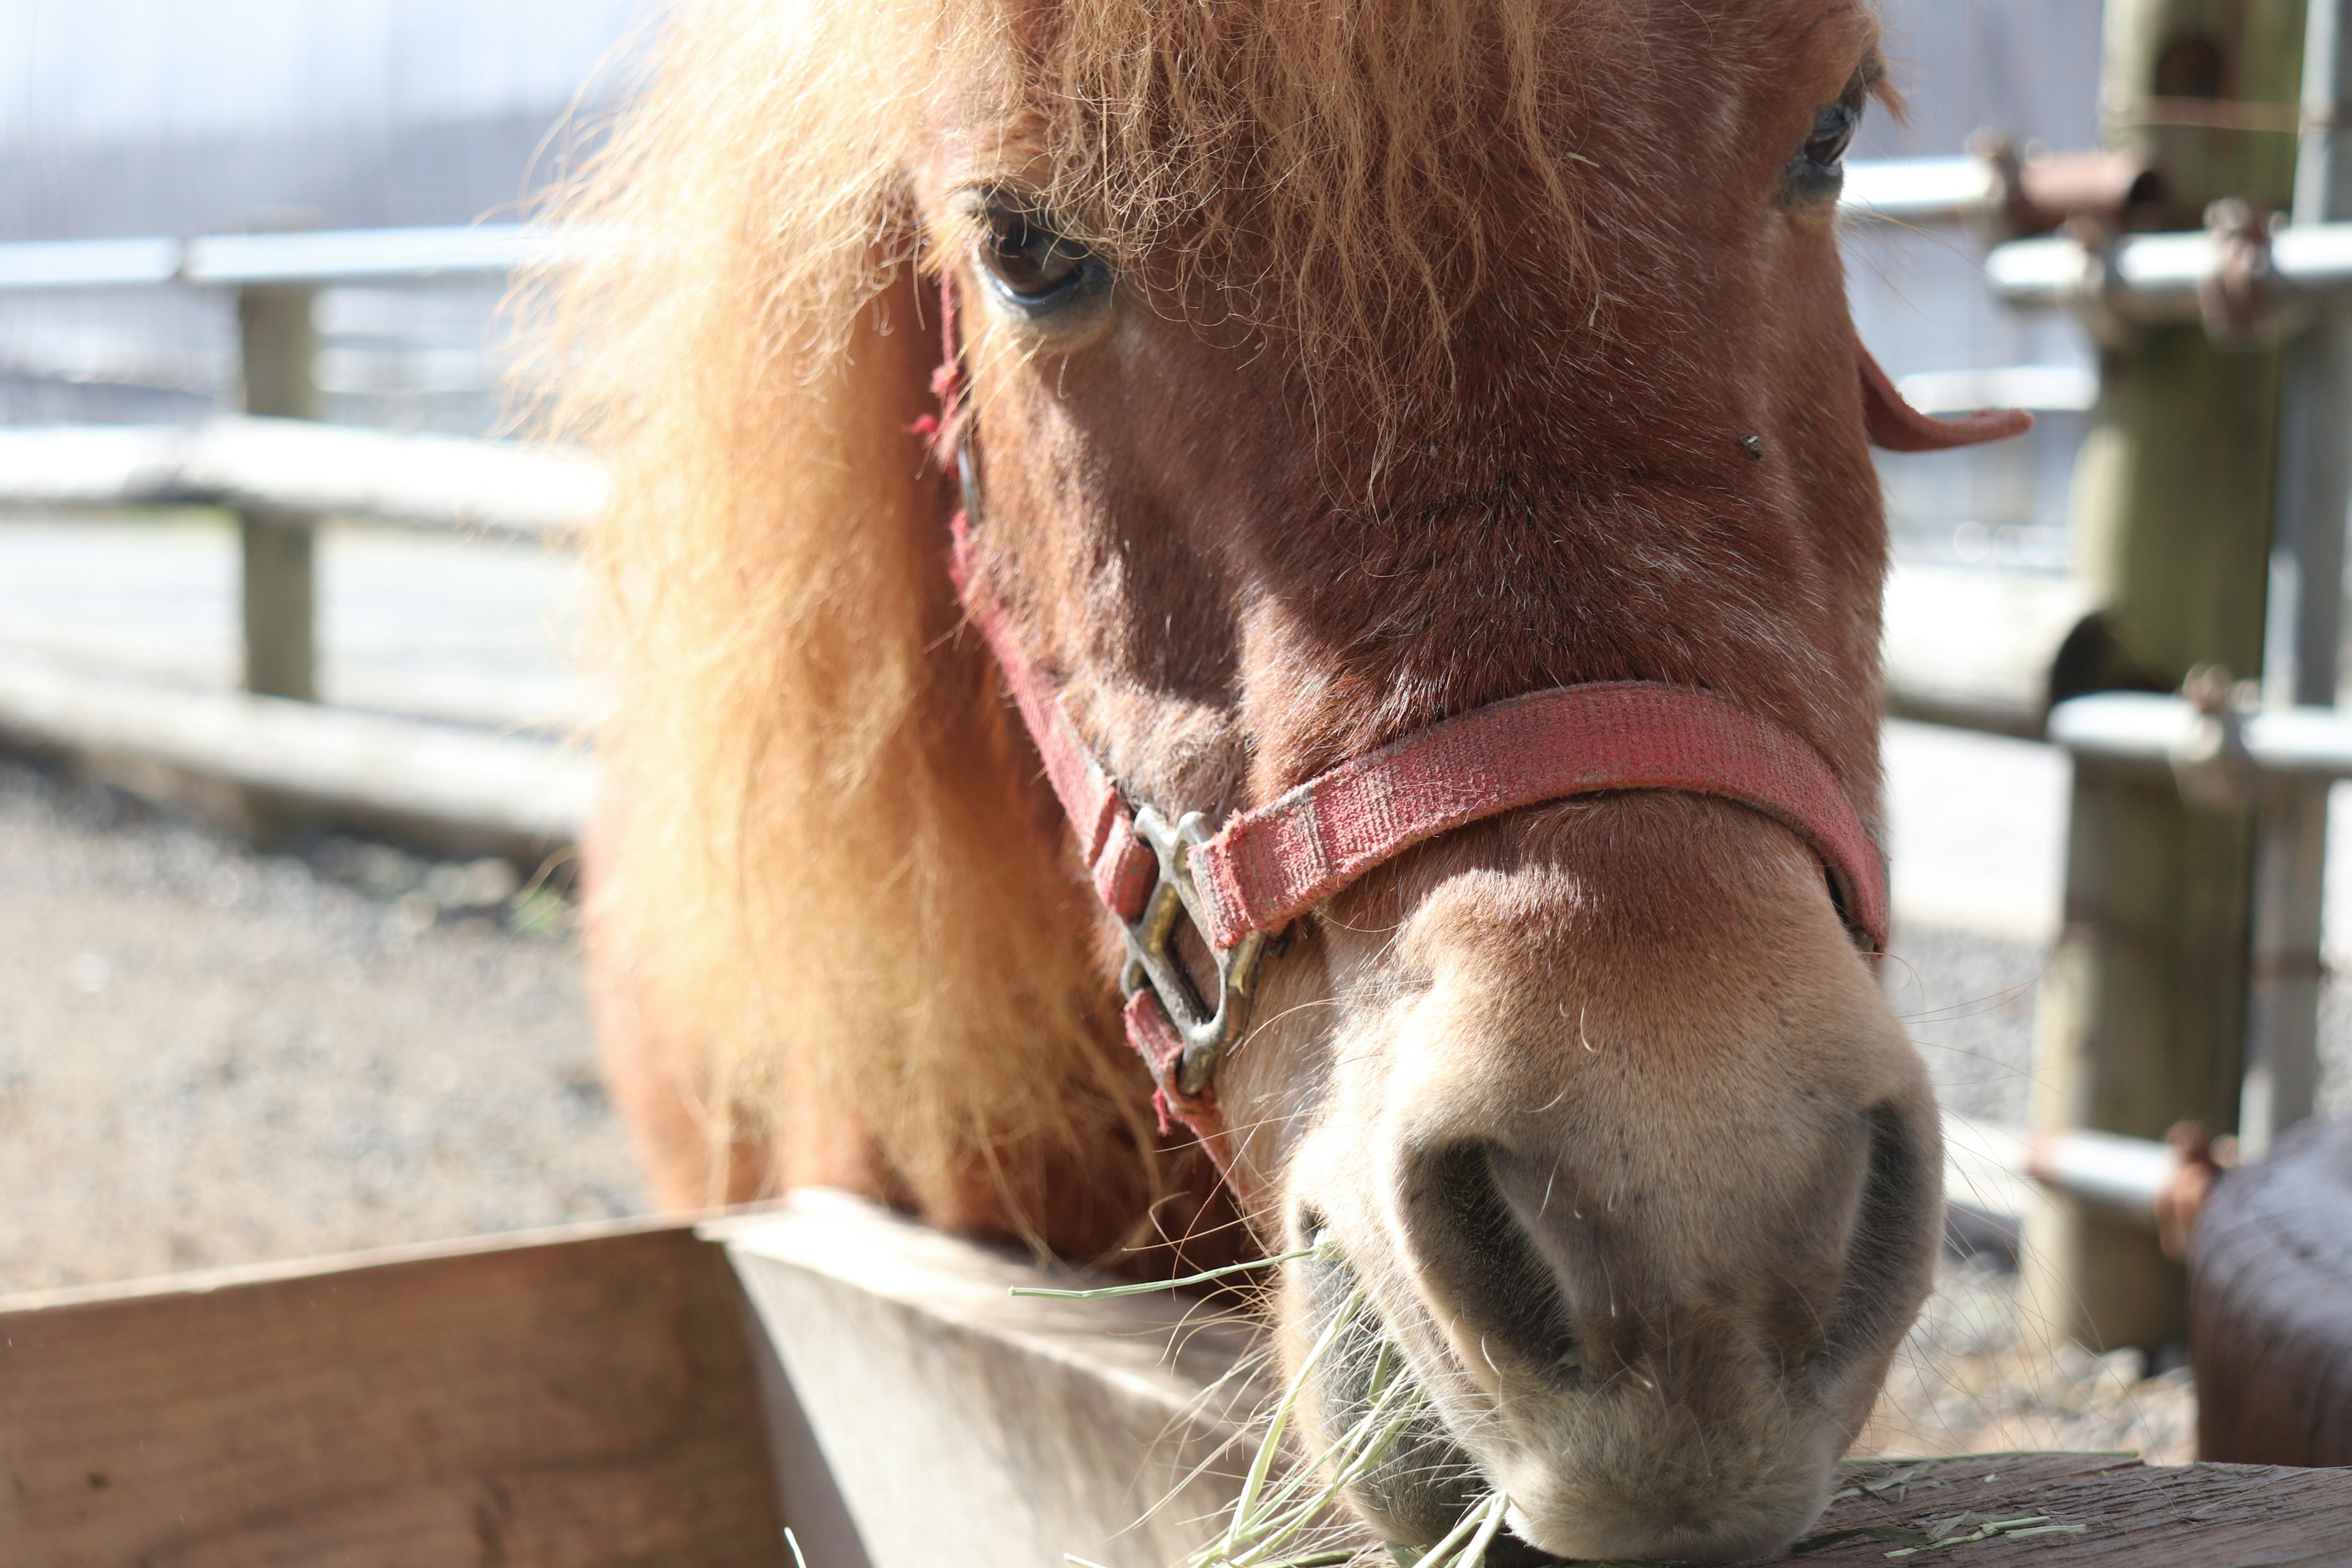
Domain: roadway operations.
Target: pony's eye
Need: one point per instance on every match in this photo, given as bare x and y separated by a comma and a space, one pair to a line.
1818, 171
1833, 129
1029, 261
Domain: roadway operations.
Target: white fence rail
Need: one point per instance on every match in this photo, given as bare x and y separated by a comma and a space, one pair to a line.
1904, 190
311, 257
456, 783
299, 468
2166, 277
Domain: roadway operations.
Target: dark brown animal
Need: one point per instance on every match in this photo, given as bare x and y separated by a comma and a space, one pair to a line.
2270, 1306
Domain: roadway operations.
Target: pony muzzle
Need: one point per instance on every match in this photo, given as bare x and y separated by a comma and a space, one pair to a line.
1646, 1247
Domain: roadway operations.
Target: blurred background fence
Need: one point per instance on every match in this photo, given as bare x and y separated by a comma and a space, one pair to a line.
141, 140
186, 117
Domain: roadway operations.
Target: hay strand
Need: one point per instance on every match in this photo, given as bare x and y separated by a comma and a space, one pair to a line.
1153, 1286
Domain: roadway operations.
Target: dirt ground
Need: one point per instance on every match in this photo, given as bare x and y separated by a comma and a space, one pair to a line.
209, 1057
1978, 1375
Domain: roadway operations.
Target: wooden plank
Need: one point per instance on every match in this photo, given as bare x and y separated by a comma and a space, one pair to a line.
586, 1400
953, 1425
2190, 1516
961, 1426
299, 467
406, 771
582, 1402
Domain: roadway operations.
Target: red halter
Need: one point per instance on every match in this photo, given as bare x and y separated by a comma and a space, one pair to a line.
1266, 865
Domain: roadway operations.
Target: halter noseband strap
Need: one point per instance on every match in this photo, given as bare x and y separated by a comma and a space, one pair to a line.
1246, 881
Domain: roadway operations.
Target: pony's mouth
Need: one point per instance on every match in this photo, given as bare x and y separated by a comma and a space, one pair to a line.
1404, 1475
1383, 1406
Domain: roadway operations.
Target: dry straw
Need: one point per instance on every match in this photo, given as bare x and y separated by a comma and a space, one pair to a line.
1277, 1519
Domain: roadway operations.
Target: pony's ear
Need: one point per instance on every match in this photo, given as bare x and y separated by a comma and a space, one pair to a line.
1898, 426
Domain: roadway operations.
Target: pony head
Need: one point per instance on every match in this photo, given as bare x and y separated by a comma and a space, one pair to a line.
1333, 370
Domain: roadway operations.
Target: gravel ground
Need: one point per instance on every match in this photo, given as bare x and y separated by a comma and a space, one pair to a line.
1979, 1377
1967, 1001
208, 1056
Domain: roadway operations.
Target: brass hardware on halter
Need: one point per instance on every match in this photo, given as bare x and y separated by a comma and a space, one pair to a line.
1152, 960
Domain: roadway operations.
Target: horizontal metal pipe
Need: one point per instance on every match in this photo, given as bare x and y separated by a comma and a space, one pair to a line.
2160, 731
2126, 1174
1918, 190
1996, 1169
1893, 191
2157, 277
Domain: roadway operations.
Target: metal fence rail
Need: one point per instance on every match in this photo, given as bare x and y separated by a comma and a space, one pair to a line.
1896, 191
2166, 276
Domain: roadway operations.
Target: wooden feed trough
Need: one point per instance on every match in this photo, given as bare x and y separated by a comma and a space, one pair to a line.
591, 1398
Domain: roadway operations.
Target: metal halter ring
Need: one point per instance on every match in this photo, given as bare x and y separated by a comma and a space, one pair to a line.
1152, 960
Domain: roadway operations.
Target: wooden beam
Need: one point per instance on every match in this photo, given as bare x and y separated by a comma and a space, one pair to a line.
584, 1401
368, 767
303, 469
962, 1425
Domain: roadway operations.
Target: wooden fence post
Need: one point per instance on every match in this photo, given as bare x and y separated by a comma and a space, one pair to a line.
2143, 1015
278, 341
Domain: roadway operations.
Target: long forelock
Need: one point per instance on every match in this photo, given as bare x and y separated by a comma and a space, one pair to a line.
1325, 173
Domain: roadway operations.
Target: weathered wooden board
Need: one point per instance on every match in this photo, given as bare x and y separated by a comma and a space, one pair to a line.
2192, 1516
582, 1402
964, 1426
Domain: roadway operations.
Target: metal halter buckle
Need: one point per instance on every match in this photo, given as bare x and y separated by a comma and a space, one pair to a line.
1152, 959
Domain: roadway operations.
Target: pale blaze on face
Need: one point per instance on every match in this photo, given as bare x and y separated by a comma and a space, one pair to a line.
1599, 1105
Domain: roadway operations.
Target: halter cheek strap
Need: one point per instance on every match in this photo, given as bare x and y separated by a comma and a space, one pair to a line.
1245, 881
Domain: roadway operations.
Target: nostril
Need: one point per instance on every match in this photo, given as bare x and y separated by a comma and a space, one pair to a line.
1483, 1267
1886, 1260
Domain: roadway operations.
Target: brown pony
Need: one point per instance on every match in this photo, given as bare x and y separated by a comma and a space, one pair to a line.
1337, 366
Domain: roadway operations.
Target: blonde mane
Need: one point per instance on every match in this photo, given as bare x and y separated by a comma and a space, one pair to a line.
830, 874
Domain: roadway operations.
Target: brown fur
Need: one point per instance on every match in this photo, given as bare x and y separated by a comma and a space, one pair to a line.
1438, 329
